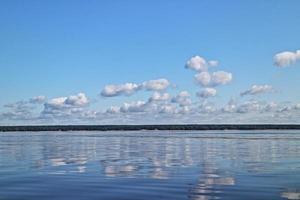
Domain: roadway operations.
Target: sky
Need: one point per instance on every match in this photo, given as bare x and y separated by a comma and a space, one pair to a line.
149, 62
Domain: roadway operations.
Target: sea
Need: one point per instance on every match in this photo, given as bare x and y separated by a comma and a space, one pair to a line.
149, 165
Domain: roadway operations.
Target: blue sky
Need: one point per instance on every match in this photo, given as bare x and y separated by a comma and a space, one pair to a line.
62, 48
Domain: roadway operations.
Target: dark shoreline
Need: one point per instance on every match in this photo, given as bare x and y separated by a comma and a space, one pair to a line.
151, 127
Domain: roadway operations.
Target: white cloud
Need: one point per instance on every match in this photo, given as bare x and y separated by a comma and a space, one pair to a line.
207, 108
183, 99
77, 100
270, 107
38, 99
183, 94
286, 58
113, 110
130, 88
22, 110
156, 96
136, 106
122, 89
258, 89
61, 106
154, 103
221, 78
230, 107
207, 92
57, 102
216, 78
167, 109
254, 106
203, 78
249, 106
197, 63
200, 64
213, 63
156, 85
184, 109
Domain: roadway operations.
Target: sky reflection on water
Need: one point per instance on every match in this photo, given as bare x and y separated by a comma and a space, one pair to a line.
150, 165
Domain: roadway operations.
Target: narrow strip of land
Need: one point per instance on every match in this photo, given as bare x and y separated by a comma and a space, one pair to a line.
152, 127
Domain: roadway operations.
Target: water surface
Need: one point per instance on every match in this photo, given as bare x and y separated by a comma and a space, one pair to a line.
150, 165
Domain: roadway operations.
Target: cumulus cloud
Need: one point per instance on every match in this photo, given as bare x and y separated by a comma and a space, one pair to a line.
167, 109
38, 99
113, 110
271, 106
184, 110
130, 88
258, 89
199, 64
221, 78
215, 79
156, 85
22, 110
65, 105
203, 78
136, 106
196, 63
249, 106
122, 89
56, 103
77, 100
207, 108
159, 97
207, 92
230, 107
183, 99
154, 103
258, 107
286, 58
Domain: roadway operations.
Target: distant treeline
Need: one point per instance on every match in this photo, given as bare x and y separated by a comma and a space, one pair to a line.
151, 127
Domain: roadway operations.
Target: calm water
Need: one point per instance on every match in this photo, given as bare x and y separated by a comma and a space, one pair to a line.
150, 165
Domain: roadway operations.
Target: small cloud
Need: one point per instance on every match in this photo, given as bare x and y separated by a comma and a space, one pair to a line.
159, 97
221, 78
113, 110
207, 108
77, 100
230, 107
197, 63
249, 106
183, 99
62, 106
286, 58
203, 78
169, 109
117, 90
258, 89
38, 99
131, 88
156, 85
213, 63
200, 64
215, 79
207, 92
136, 106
